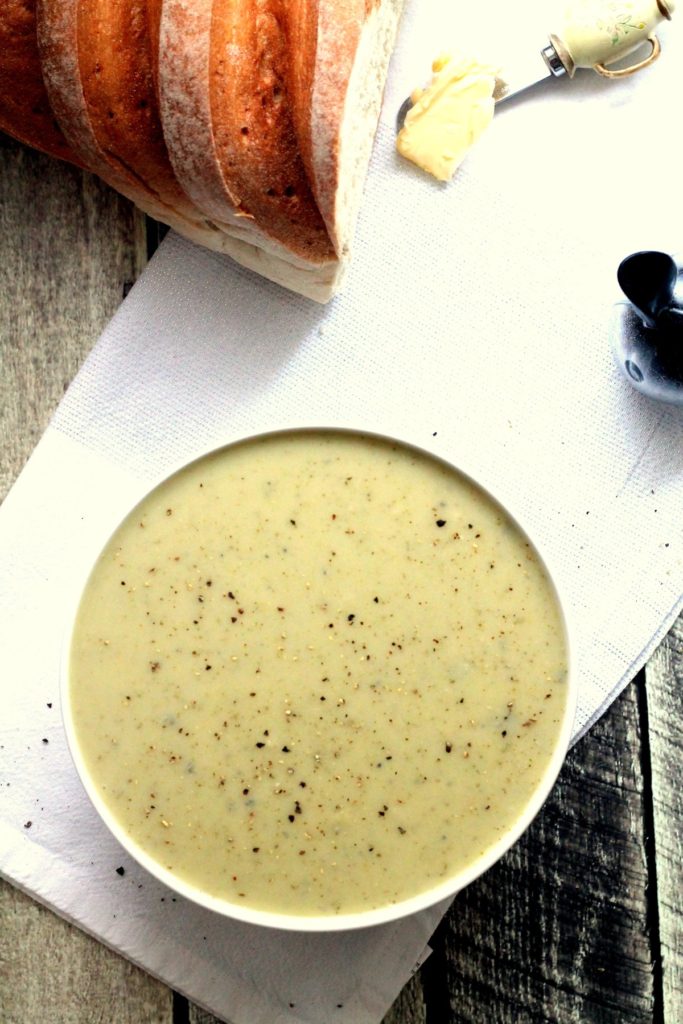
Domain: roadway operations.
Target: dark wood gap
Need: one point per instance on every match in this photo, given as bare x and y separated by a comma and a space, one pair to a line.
181, 1009
438, 1009
650, 846
156, 231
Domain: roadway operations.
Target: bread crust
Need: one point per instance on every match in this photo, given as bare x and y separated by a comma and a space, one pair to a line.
253, 128
109, 109
340, 24
354, 43
222, 118
325, 39
301, 28
115, 65
25, 111
58, 42
182, 79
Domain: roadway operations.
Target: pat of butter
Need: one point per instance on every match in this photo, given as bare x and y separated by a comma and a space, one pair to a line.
448, 116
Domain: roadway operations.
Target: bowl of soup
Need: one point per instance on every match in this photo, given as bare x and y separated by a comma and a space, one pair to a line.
318, 679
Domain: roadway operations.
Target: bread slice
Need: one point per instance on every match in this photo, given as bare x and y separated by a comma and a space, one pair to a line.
115, 69
101, 91
246, 125
252, 125
342, 51
99, 68
354, 46
265, 99
186, 100
25, 111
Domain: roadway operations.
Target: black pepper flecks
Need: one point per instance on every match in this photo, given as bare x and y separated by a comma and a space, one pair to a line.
350, 640
121, 871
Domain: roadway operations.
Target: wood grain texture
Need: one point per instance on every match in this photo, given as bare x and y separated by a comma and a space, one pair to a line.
193, 1015
52, 973
664, 676
68, 245
410, 1006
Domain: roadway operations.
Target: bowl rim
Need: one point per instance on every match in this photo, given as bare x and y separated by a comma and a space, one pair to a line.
421, 901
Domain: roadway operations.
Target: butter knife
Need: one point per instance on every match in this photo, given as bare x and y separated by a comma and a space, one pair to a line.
594, 34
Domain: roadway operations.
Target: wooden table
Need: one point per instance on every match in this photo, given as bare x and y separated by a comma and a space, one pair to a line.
580, 922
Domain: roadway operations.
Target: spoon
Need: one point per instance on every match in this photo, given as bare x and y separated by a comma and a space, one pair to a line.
648, 279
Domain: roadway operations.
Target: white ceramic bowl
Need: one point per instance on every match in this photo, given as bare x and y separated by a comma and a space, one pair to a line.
344, 921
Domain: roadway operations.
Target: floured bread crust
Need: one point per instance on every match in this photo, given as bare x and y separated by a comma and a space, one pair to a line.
233, 121
253, 129
352, 57
25, 111
84, 70
120, 98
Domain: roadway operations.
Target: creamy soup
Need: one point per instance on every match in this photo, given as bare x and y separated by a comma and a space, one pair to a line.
317, 673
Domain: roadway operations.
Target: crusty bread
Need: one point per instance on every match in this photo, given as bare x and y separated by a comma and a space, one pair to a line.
90, 80
253, 128
345, 105
187, 110
342, 54
25, 111
244, 124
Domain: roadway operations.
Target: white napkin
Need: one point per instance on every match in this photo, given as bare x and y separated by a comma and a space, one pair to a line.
474, 323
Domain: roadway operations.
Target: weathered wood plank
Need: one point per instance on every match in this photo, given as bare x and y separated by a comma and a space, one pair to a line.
68, 246
410, 1006
197, 1016
557, 930
53, 973
60, 285
664, 676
